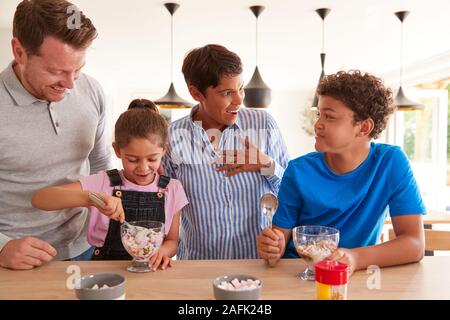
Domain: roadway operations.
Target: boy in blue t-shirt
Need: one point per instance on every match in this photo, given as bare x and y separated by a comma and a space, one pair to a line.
351, 183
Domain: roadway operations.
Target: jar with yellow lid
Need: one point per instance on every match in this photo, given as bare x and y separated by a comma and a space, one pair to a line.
331, 280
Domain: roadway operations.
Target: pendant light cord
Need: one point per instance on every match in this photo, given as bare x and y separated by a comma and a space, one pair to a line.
401, 53
323, 35
171, 48
256, 47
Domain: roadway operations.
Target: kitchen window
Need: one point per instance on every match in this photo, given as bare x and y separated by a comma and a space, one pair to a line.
423, 135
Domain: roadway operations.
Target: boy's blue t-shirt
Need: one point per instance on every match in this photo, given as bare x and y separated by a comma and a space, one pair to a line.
356, 203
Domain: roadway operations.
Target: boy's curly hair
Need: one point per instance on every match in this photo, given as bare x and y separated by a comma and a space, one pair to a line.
363, 93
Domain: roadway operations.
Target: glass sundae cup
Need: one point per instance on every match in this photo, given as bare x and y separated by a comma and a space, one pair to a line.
313, 244
141, 239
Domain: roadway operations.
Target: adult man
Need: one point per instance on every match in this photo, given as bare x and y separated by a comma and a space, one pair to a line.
223, 217
52, 130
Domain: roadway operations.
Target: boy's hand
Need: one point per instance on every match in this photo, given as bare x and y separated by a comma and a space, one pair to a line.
346, 256
159, 260
112, 208
271, 244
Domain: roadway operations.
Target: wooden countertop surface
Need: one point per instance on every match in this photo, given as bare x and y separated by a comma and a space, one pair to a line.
191, 280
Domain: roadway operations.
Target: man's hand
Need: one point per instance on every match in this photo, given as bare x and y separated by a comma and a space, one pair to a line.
26, 253
248, 159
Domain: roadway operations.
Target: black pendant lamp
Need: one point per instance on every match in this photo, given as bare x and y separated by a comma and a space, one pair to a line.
322, 12
401, 101
172, 100
257, 93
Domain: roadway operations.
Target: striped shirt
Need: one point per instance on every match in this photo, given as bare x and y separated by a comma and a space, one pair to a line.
223, 216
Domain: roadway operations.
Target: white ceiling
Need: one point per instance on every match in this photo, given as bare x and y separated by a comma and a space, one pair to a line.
133, 48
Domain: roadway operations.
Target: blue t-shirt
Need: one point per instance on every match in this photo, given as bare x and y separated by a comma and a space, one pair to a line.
356, 203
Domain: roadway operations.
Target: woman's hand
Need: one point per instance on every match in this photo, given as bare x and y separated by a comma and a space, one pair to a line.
249, 159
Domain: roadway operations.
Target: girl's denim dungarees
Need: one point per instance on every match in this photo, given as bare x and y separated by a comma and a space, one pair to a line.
138, 206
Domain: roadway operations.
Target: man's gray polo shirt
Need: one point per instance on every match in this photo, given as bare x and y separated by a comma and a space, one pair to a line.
43, 144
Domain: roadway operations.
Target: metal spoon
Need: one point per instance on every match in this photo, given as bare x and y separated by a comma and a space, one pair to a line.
99, 201
269, 204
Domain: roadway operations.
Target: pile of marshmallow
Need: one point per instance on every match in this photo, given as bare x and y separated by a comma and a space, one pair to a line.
143, 243
317, 251
96, 287
236, 285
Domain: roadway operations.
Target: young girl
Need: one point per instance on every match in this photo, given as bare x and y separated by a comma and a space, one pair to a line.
137, 192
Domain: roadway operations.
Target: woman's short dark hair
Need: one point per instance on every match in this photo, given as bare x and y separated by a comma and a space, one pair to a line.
363, 93
203, 67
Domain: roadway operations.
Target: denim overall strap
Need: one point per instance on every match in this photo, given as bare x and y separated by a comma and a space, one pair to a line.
138, 206
114, 178
163, 181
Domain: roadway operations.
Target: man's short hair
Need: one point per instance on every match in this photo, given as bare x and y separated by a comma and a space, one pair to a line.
36, 19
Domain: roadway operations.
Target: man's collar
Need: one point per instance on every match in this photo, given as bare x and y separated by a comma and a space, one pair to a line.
15, 88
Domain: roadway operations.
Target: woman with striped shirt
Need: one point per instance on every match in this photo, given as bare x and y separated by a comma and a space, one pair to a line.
226, 156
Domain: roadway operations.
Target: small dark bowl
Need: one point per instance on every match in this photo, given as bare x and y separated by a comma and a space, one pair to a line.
115, 282
222, 294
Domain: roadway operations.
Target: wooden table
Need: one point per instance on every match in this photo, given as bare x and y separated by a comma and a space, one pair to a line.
428, 279
432, 217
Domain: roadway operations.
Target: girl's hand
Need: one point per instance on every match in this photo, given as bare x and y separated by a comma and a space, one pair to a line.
346, 256
159, 260
112, 208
